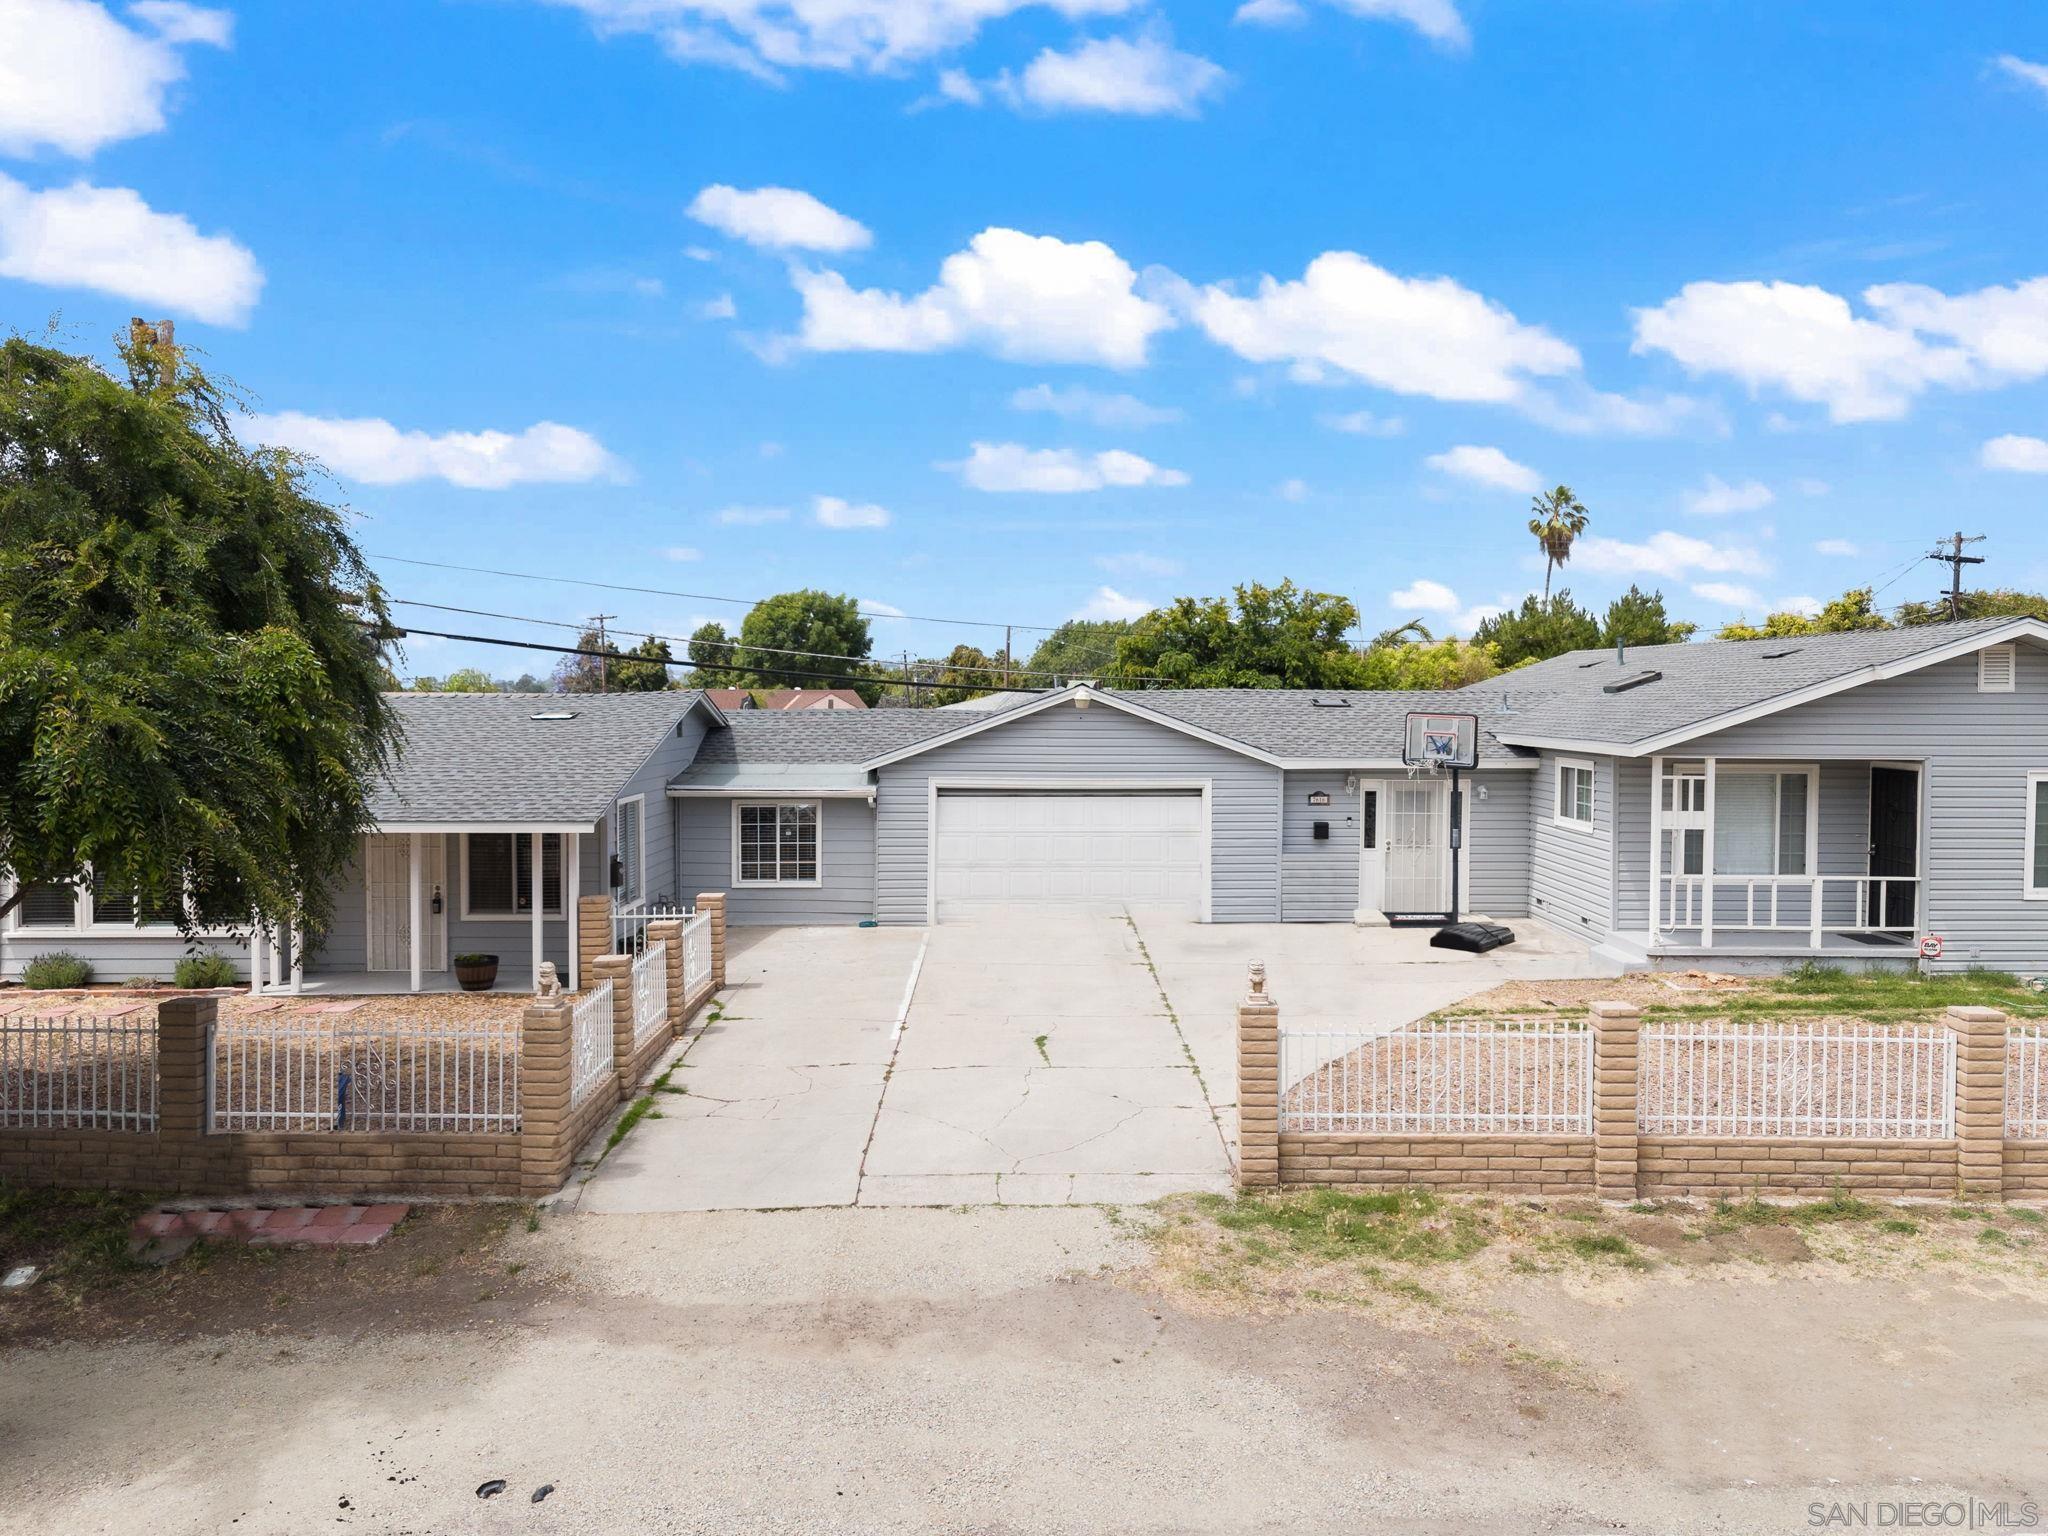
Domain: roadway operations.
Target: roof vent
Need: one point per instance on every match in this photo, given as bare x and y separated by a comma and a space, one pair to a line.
1997, 668
1624, 684
1598, 661
1790, 650
553, 714
1315, 703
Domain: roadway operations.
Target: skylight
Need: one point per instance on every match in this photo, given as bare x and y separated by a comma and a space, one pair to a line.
553, 714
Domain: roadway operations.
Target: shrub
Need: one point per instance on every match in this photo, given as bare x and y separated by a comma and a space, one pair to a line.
211, 969
58, 969
476, 960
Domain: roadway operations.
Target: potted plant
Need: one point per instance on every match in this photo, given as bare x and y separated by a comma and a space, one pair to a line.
477, 973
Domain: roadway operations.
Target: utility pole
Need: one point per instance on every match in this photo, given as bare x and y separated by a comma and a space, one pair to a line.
1006, 655
1950, 552
603, 661
909, 693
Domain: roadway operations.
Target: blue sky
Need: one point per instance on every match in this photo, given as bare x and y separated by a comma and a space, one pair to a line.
988, 310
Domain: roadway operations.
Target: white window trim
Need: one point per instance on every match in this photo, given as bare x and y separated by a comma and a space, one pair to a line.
1726, 769
2012, 668
817, 810
2028, 890
462, 881
84, 922
639, 854
1564, 765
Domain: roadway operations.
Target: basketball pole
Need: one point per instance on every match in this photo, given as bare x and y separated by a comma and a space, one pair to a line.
1457, 836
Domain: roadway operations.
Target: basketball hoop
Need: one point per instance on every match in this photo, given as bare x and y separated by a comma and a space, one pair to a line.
1431, 744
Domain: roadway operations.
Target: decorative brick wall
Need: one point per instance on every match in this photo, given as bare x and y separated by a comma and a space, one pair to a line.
1811, 1165
1980, 1100
1259, 1161
1617, 1039
593, 934
1529, 1165
714, 903
2026, 1170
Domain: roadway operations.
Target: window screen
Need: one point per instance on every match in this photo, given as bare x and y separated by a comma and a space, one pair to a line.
778, 843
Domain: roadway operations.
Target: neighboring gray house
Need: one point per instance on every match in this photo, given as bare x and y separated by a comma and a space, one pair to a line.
1858, 796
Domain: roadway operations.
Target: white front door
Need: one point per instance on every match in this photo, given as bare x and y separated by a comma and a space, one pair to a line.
1415, 828
387, 883
1084, 849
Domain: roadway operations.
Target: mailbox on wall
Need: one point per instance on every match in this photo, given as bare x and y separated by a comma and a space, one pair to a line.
1322, 831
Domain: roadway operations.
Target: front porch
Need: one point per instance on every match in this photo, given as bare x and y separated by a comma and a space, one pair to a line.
1764, 861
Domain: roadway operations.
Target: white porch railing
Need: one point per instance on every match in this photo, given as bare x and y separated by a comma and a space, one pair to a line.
696, 953
78, 1073
1815, 905
1447, 1077
1798, 1077
590, 1042
650, 993
2026, 1080
629, 929
300, 1076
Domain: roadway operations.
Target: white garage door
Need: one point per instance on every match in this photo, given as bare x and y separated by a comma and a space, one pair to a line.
1079, 848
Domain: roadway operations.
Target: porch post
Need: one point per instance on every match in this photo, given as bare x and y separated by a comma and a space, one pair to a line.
298, 959
572, 913
534, 896
1656, 847
257, 962
416, 861
1707, 867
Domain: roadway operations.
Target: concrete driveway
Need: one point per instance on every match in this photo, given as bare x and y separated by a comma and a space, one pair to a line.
1024, 1059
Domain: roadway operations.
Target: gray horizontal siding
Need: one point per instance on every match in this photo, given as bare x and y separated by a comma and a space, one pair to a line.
846, 865
114, 957
1065, 743
1571, 870
1977, 749
1497, 843
676, 753
1318, 881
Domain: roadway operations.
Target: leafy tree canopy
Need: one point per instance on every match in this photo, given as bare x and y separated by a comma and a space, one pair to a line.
966, 673
1638, 618
462, 680
1854, 609
827, 625
189, 698
1998, 603
1446, 663
590, 672
710, 652
644, 669
1079, 648
1266, 637
1539, 629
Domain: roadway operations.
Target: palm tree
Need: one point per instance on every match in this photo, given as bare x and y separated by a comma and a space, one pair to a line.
1559, 519
1400, 633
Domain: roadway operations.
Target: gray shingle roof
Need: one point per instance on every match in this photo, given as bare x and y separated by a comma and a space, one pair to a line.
483, 757
815, 736
1563, 698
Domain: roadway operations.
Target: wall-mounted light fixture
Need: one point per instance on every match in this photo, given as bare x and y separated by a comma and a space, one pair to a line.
1319, 797
437, 901
1350, 783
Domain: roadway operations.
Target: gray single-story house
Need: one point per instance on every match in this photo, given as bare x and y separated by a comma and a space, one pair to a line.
1855, 796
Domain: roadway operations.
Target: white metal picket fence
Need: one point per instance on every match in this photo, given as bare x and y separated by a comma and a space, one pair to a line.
696, 953
320, 1075
2026, 1080
1797, 1077
590, 1042
1490, 1078
650, 993
629, 929
78, 1073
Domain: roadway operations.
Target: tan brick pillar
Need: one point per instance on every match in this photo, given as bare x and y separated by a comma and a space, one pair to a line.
1617, 1030
593, 932
1980, 1101
1258, 1086
618, 970
184, 1066
714, 903
544, 1069
670, 932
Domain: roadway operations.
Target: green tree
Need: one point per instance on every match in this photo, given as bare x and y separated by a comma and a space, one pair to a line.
1079, 648
1403, 634
1539, 629
966, 673
1638, 618
592, 670
828, 628
1446, 663
1998, 603
189, 647
1855, 609
462, 680
1267, 637
644, 669
1559, 520
710, 654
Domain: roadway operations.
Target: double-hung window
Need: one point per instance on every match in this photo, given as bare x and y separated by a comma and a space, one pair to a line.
775, 842
497, 874
1574, 794
93, 904
1760, 821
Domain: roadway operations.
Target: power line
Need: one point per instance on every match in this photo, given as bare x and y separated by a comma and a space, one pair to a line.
695, 597
1950, 552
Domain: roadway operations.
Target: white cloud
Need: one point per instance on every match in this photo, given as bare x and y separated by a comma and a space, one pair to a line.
751, 517
2023, 69
778, 218
1057, 471
874, 608
1076, 403
1486, 466
833, 512
765, 37
109, 240
1673, 556
1269, 13
1364, 424
1437, 20
1108, 603
2026, 455
1137, 563
1426, 596
1136, 77
1810, 606
1292, 490
1583, 411
720, 308
1717, 498
1426, 336
1030, 298
1727, 593
2002, 330
74, 79
372, 450
1839, 547
682, 553
1807, 486
700, 253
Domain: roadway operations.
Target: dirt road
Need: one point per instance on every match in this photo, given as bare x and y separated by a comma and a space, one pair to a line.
998, 1370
